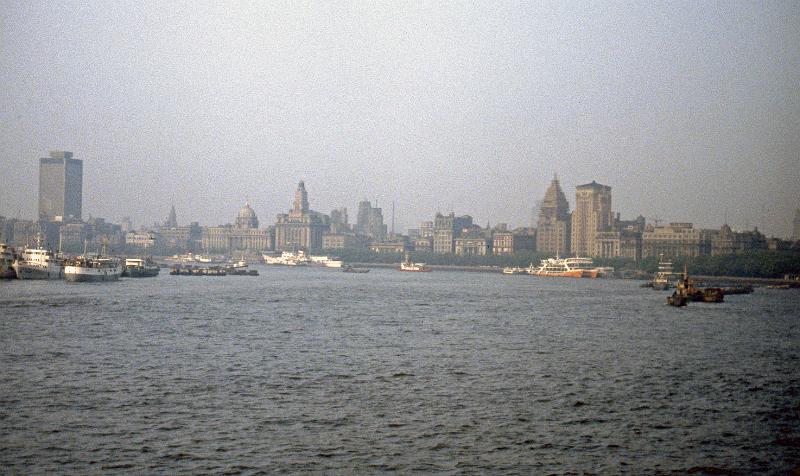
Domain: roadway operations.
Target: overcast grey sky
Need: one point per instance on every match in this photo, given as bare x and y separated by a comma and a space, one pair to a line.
689, 111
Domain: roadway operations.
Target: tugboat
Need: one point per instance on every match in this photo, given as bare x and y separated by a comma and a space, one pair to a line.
409, 265
686, 291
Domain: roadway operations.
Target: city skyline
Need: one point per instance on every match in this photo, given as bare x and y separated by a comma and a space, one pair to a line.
689, 112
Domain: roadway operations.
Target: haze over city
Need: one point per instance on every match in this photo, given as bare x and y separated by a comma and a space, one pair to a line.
690, 112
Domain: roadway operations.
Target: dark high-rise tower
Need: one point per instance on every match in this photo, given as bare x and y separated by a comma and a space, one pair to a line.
60, 186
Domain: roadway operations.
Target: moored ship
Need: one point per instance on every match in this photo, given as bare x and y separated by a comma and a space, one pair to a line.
140, 268
39, 263
90, 269
287, 258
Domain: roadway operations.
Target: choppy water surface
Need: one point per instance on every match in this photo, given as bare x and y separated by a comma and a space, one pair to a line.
312, 370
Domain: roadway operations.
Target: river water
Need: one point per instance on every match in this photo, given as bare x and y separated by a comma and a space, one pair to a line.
314, 370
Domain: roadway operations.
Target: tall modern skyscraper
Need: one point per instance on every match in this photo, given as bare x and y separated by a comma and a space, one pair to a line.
60, 186
369, 221
552, 229
592, 215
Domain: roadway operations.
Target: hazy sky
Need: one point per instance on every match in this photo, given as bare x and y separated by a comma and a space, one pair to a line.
689, 111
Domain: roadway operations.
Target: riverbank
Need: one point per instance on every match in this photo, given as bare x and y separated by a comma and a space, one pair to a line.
703, 279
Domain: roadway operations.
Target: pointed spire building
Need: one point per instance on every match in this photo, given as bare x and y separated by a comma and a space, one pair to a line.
553, 227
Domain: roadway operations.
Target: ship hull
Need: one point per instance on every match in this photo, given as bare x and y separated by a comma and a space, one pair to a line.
141, 272
38, 272
565, 274
74, 274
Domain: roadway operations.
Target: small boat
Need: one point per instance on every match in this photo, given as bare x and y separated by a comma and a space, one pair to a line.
197, 271
351, 269
686, 291
409, 265
778, 286
240, 268
140, 268
513, 270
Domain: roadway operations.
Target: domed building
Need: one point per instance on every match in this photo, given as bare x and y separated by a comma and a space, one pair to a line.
247, 217
242, 238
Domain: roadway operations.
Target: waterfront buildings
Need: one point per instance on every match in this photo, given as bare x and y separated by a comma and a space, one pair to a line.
592, 215
473, 245
553, 227
728, 242
244, 237
301, 228
446, 228
675, 239
512, 242
60, 187
370, 222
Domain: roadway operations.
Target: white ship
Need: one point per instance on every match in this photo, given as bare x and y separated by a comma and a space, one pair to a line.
409, 265
39, 263
85, 268
287, 258
326, 261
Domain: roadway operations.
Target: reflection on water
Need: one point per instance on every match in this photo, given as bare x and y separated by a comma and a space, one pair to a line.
316, 370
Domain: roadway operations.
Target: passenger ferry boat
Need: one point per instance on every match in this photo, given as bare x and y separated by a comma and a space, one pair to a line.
575, 267
140, 268
38, 263
409, 265
85, 268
